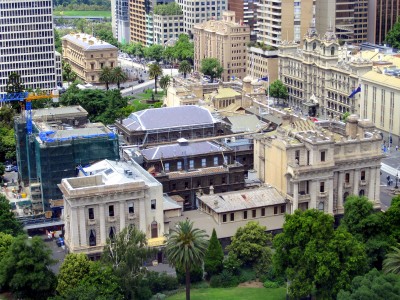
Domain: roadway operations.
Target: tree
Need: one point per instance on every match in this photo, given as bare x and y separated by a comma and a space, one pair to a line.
214, 256
118, 76
106, 76
5, 242
392, 262
14, 83
168, 9
314, 257
183, 48
392, 219
186, 247
165, 82
25, 269
68, 74
74, 268
185, 68
212, 68
345, 116
154, 52
249, 241
126, 254
106, 35
154, 72
8, 223
278, 90
373, 285
393, 36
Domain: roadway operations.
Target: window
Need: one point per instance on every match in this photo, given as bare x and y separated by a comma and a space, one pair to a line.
361, 193
111, 210
263, 212
215, 160
245, 215
154, 230
111, 234
203, 162
186, 184
179, 165
174, 186
166, 166
232, 217
347, 177
131, 208
92, 237
275, 210
321, 206
254, 213
191, 164
153, 203
363, 175
297, 156
322, 187
91, 213
283, 209
322, 155
101, 65
224, 218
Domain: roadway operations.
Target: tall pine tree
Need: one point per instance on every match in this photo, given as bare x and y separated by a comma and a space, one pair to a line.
214, 256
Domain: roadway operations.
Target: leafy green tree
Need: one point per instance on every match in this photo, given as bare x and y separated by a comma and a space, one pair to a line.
106, 36
185, 68
25, 269
264, 262
5, 242
214, 256
68, 74
232, 263
345, 116
118, 76
74, 268
186, 247
7, 143
126, 254
14, 83
211, 67
155, 71
183, 48
169, 9
278, 90
135, 49
165, 82
249, 241
392, 219
315, 258
8, 223
57, 41
154, 52
392, 262
106, 76
373, 285
196, 274
393, 36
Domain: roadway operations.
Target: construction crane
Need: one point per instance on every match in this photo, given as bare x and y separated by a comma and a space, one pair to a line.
26, 99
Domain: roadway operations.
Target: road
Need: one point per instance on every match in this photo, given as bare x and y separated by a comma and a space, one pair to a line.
390, 166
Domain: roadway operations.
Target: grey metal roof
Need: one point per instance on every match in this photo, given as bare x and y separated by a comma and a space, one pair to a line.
168, 117
245, 123
177, 150
97, 44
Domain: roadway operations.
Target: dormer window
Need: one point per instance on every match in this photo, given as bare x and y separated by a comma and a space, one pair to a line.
314, 45
332, 50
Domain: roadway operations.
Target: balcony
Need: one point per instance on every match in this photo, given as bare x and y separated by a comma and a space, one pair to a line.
111, 219
132, 216
323, 194
363, 182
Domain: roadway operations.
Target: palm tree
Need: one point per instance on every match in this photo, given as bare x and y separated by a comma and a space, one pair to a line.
185, 68
392, 262
164, 82
106, 76
118, 76
186, 247
154, 72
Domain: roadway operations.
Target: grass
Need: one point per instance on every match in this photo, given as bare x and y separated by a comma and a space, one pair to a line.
81, 13
236, 293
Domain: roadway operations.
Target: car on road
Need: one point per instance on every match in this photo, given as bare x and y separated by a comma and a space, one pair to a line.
140, 81
9, 168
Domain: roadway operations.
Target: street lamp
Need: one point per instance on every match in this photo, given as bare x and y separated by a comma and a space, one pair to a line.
397, 179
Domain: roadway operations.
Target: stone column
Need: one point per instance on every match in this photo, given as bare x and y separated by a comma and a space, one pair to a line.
75, 228
102, 217
142, 215
122, 215
295, 196
82, 226
313, 194
377, 184
371, 184
356, 181
330, 196
340, 190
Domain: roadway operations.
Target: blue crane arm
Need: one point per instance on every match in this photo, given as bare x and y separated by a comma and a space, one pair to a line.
14, 97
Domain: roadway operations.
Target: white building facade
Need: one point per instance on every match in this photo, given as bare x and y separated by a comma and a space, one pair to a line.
166, 28
27, 44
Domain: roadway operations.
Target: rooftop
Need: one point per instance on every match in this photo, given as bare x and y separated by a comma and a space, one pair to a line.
242, 200
88, 42
58, 111
245, 123
226, 93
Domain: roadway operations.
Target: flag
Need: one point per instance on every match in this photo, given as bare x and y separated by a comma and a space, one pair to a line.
263, 78
353, 93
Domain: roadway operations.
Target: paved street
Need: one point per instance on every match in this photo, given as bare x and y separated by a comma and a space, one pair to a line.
391, 167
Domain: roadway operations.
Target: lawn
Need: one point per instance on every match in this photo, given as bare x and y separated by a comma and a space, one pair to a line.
81, 13
237, 293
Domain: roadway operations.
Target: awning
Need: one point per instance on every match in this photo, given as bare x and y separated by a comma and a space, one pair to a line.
156, 242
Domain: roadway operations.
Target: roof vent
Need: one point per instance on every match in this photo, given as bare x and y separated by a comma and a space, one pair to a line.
183, 142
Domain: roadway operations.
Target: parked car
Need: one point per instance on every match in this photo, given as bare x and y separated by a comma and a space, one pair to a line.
9, 168
140, 81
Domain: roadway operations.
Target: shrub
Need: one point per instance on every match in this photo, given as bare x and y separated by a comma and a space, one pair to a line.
246, 274
224, 280
196, 275
270, 274
214, 256
270, 284
159, 282
232, 263
159, 296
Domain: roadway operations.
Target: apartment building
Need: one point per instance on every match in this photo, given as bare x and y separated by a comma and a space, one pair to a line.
195, 12
348, 19
87, 55
27, 44
113, 195
318, 165
246, 12
283, 20
224, 40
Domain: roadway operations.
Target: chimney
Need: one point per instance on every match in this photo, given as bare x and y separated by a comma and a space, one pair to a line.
211, 190
91, 42
351, 126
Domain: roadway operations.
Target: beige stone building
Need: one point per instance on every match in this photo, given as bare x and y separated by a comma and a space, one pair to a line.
317, 165
87, 55
262, 63
224, 40
110, 196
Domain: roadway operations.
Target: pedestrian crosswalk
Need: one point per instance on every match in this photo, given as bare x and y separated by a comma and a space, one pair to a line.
390, 170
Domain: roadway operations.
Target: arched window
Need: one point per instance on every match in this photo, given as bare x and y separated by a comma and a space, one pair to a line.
154, 229
92, 237
314, 45
111, 235
361, 193
321, 206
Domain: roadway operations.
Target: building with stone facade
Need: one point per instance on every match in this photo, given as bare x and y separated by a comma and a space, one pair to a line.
224, 40
110, 196
283, 20
319, 77
317, 165
262, 63
87, 55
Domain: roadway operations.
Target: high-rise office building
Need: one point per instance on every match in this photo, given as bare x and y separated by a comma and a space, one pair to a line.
382, 15
246, 12
122, 21
283, 20
27, 44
